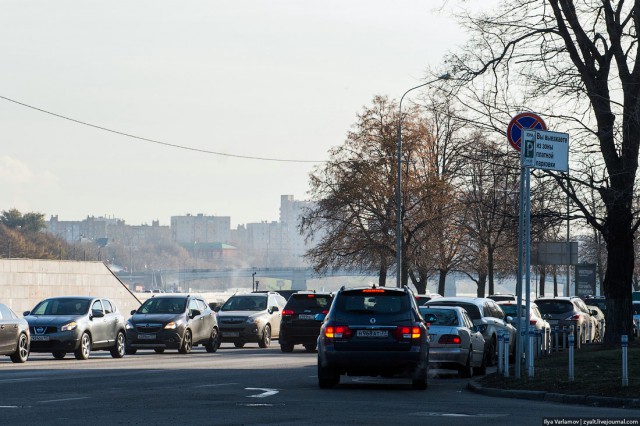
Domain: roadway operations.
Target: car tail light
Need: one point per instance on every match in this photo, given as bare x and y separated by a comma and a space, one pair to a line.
575, 317
406, 332
310, 296
337, 332
325, 312
533, 321
449, 339
286, 312
373, 290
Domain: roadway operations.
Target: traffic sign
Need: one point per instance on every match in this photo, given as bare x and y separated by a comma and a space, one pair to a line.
546, 150
523, 121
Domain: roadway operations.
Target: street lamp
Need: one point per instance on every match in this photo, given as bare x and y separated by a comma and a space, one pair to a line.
399, 180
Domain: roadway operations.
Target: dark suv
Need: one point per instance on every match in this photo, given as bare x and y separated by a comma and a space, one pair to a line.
569, 312
172, 321
302, 317
373, 331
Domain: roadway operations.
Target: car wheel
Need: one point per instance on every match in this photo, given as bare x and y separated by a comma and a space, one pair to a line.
286, 347
159, 350
266, 337
482, 370
59, 354
327, 378
118, 349
466, 371
214, 341
84, 350
310, 347
238, 344
130, 351
187, 343
22, 350
491, 352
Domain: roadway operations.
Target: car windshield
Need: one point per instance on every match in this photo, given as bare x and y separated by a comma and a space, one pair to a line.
62, 307
245, 303
554, 307
378, 302
163, 305
440, 316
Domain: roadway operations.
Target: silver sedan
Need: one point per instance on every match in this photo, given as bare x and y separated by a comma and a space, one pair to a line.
455, 343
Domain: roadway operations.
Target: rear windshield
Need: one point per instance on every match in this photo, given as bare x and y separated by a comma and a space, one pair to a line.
472, 310
370, 302
313, 302
510, 310
552, 307
440, 316
62, 307
163, 305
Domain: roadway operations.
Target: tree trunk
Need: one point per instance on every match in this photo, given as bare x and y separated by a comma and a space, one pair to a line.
555, 283
617, 279
490, 264
543, 276
482, 284
382, 277
442, 281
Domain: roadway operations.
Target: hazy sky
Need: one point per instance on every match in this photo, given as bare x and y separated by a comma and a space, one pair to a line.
280, 79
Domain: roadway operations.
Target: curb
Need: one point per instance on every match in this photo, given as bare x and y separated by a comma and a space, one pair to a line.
593, 401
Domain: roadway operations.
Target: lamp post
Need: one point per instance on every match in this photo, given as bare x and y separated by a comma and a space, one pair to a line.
399, 180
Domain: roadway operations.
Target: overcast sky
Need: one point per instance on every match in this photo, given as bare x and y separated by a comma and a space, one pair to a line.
280, 79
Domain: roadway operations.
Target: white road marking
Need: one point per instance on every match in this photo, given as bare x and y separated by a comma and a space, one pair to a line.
215, 385
63, 399
265, 392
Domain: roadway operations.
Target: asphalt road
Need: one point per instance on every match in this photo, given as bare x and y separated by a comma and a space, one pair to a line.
245, 386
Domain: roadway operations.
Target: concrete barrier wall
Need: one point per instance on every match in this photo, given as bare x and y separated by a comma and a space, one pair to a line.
25, 282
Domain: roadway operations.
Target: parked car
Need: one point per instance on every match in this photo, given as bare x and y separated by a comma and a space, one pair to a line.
570, 312
535, 319
302, 317
503, 297
79, 324
488, 317
172, 321
251, 317
422, 299
597, 313
14, 335
454, 342
635, 306
599, 301
373, 331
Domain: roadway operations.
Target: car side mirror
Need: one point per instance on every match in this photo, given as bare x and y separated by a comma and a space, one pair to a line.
194, 313
97, 314
25, 313
216, 309
509, 319
593, 313
133, 311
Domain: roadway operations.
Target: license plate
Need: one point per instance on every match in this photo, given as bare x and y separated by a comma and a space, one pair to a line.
146, 336
231, 334
306, 316
552, 322
40, 338
372, 333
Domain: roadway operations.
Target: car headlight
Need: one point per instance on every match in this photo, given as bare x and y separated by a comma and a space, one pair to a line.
129, 326
252, 321
171, 325
69, 326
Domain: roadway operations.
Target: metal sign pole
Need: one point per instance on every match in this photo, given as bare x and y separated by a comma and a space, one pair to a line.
527, 250
519, 345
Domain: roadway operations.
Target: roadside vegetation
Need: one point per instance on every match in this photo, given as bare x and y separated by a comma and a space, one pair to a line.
597, 371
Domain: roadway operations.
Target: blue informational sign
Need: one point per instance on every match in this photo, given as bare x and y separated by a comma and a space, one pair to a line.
521, 122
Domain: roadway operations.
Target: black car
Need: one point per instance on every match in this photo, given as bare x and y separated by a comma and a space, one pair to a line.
172, 321
76, 324
373, 331
302, 317
14, 335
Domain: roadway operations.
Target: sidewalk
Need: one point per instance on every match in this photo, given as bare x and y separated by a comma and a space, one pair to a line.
594, 401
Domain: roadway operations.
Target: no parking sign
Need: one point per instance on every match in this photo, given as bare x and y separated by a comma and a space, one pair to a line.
521, 122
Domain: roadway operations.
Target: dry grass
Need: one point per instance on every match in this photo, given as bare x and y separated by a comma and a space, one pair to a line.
596, 372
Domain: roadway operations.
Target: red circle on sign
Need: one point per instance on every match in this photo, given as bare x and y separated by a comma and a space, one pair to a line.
523, 121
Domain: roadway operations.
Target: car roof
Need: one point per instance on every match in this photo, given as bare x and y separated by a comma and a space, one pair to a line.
395, 289
74, 297
436, 306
